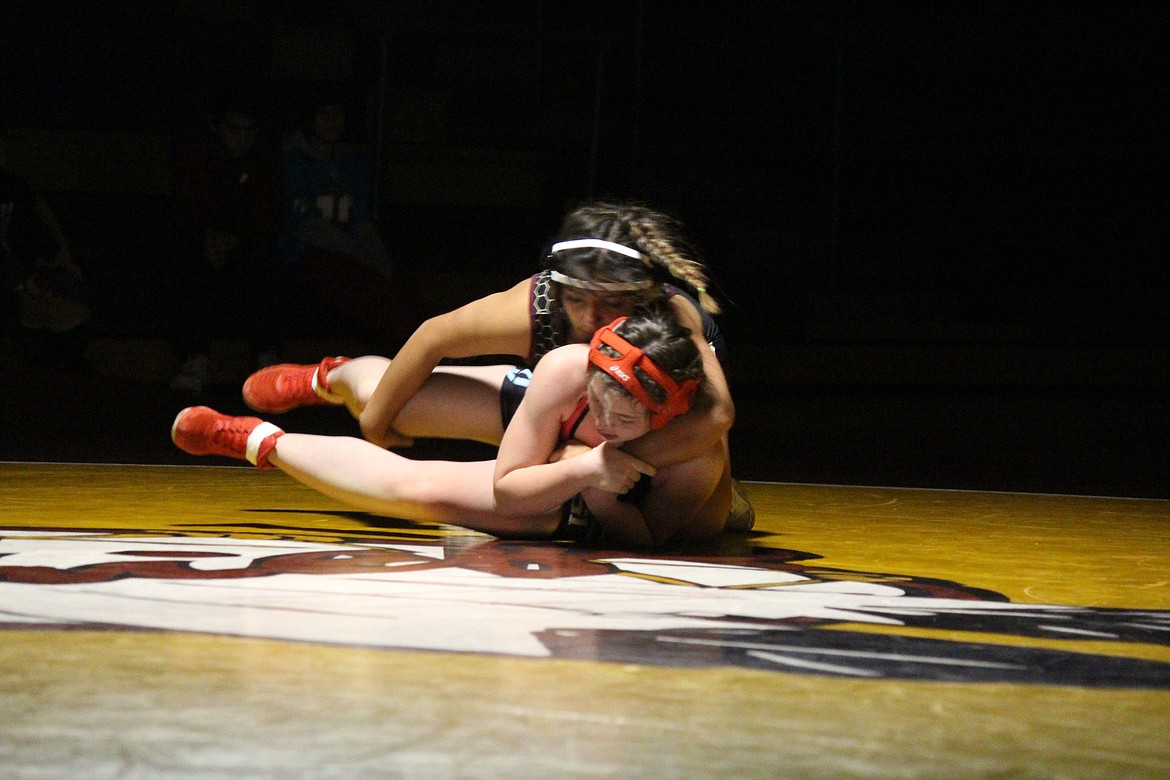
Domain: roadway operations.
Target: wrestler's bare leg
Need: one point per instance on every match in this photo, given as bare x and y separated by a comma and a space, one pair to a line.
456, 402
365, 476
354, 381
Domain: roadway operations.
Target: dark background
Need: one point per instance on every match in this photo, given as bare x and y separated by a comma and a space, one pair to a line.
939, 229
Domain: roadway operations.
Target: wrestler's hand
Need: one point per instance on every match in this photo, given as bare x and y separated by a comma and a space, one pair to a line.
617, 471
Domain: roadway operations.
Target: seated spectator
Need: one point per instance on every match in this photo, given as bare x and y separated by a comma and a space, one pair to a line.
334, 254
42, 291
227, 200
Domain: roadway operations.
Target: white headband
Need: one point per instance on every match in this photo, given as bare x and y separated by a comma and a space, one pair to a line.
583, 284
597, 243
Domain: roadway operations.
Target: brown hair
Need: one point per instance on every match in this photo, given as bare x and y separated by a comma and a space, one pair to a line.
668, 257
667, 343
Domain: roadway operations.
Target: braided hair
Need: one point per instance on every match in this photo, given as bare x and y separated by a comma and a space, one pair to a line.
667, 256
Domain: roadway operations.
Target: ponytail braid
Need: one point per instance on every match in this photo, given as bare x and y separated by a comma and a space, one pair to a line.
658, 236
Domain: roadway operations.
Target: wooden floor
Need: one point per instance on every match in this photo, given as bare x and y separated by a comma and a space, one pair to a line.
216, 622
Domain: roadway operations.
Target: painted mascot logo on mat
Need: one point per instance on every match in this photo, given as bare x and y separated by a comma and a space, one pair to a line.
754, 606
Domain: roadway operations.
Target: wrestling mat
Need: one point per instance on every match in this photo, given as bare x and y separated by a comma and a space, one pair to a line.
182, 622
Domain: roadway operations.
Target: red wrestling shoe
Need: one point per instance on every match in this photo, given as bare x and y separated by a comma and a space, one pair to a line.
199, 430
281, 388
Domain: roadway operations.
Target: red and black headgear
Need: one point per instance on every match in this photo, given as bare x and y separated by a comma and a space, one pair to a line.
621, 368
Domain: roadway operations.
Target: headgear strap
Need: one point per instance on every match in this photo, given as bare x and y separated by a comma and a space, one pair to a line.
597, 243
585, 284
621, 368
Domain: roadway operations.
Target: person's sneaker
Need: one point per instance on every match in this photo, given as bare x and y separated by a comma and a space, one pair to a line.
286, 386
193, 375
200, 430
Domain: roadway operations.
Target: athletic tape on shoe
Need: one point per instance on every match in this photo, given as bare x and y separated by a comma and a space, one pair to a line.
321, 388
256, 440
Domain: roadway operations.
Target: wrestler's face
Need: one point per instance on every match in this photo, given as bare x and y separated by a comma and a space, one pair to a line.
588, 310
618, 417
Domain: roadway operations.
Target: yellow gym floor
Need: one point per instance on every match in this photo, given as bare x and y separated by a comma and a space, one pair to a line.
195, 622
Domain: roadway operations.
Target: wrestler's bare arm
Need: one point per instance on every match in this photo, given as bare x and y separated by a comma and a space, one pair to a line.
495, 324
687, 502
710, 417
525, 481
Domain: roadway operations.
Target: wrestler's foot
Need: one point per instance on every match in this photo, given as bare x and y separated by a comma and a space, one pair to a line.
280, 388
200, 430
742, 516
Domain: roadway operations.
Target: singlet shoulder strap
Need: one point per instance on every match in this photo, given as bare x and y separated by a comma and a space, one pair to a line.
573, 421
